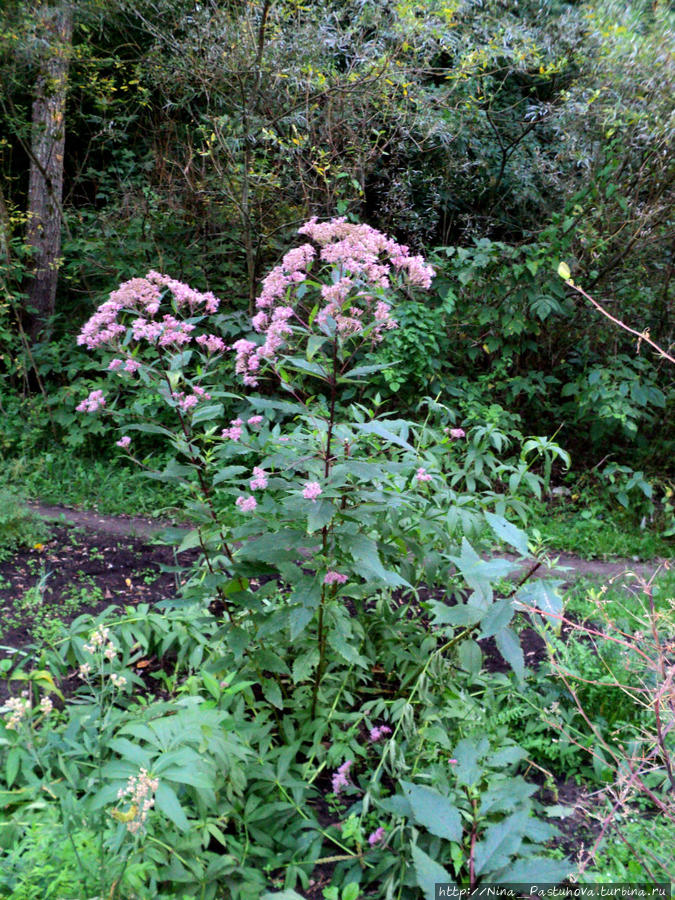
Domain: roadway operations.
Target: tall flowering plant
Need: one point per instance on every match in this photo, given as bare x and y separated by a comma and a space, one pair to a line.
333, 503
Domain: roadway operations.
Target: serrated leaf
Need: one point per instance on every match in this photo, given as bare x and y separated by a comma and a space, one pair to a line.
497, 617
434, 811
272, 692
502, 840
300, 617
509, 647
537, 869
428, 873
346, 650
12, 765
320, 514
470, 657
544, 594
508, 532
208, 413
304, 665
468, 754
167, 803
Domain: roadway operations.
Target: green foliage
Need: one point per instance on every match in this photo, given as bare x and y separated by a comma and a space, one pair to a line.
19, 525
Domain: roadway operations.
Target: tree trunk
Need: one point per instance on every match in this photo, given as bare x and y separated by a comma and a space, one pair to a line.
45, 188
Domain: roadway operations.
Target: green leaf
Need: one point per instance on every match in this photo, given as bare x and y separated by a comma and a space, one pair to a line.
211, 685
304, 665
272, 692
434, 811
346, 650
468, 754
351, 891
300, 617
12, 765
131, 751
508, 533
497, 617
208, 413
509, 647
537, 869
544, 594
470, 657
320, 514
502, 840
378, 429
288, 894
364, 551
564, 271
428, 873
166, 802
480, 574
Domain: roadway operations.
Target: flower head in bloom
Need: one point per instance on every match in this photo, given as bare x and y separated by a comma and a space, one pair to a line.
422, 475
118, 680
334, 578
377, 836
139, 793
259, 480
246, 503
124, 442
254, 421
19, 707
377, 733
46, 705
457, 433
340, 779
94, 402
311, 491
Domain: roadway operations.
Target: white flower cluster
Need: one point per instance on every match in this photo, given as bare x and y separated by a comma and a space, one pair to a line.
139, 792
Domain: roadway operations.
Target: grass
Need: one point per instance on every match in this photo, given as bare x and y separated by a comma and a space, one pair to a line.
109, 486
596, 527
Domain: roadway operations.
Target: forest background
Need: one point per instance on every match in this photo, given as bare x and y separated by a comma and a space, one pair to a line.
497, 138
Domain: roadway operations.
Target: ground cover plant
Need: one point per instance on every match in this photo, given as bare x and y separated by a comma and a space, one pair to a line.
316, 705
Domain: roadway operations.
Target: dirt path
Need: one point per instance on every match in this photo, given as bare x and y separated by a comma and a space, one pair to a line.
569, 566
119, 526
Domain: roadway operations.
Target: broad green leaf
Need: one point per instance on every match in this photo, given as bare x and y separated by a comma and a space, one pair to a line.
509, 647
480, 574
428, 873
462, 614
434, 811
564, 271
378, 429
508, 533
544, 594
272, 692
470, 657
469, 754
346, 650
167, 802
300, 617
288, 894
497, 617
129, 750
537, 869
502, 840
12, 765
304, 665
212, 413
320, 514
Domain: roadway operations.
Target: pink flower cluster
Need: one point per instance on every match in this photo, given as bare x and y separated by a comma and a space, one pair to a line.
311, 491
340, 779
333, 577
377, 733
377, 836
234, 432
246, 503
94, 402
143, 298
422, 475
455, 433
361, 259
186, 402
259, 480
124, 442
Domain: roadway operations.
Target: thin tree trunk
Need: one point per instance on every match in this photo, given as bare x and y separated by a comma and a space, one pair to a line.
45, 188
